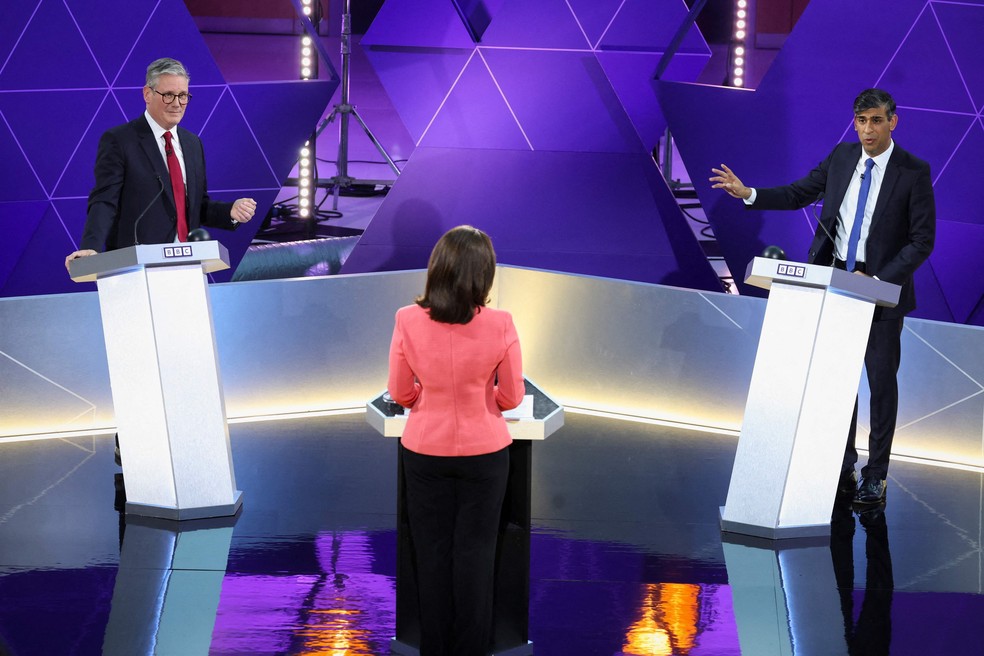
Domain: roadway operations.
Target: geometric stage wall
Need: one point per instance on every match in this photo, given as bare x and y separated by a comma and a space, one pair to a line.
535, 121
927, 54
69, 70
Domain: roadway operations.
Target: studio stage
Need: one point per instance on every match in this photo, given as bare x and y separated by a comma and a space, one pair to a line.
626, 551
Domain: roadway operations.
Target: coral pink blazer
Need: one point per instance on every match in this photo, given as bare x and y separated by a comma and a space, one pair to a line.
445, 373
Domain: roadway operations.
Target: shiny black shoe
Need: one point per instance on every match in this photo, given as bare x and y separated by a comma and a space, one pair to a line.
872, 516
848, 483
871, 491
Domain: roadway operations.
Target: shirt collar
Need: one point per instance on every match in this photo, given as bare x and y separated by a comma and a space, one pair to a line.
158, 130
881, 161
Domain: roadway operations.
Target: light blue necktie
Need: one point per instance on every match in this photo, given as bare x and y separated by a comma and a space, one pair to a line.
852, 242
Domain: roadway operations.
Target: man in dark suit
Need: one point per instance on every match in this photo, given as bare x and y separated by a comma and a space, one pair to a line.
150, 177
895, 234
143, 166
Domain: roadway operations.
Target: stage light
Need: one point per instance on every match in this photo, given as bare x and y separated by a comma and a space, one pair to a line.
307, 181
737, 54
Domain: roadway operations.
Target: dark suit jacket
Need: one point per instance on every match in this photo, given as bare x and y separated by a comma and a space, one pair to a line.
903, 226
129, 174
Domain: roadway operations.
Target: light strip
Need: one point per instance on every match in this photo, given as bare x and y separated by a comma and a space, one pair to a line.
249, 419
649, 420
739, 57
297, 415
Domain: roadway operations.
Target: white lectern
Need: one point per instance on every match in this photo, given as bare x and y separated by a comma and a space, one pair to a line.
801, 397
164, 374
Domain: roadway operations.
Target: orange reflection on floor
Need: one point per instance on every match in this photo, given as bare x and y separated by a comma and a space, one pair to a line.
667, 624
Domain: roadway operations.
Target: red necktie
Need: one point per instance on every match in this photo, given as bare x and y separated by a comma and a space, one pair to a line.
177, 185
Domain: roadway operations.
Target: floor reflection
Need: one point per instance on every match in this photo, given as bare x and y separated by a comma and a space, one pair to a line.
626, 555
168, 586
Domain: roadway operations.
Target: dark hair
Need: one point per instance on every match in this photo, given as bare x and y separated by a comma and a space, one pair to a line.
873, 99
459, 275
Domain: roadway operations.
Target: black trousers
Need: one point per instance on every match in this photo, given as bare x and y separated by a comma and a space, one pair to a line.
454, 505
881, 363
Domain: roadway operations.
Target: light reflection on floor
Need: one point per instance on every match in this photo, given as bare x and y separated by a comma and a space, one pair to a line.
626, 554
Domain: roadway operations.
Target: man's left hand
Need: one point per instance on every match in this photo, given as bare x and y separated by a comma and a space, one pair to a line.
243, 210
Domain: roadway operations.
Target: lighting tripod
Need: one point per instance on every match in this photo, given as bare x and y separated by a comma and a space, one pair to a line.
343, 110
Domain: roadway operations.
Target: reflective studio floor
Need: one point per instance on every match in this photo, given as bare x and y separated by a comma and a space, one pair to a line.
626, 554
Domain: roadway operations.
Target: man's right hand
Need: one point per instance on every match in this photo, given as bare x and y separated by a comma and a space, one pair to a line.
77, 254
725, 179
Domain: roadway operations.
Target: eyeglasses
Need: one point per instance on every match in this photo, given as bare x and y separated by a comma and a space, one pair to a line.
169, 97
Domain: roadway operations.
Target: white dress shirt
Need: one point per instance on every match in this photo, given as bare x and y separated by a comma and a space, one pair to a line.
849, 205
175, 143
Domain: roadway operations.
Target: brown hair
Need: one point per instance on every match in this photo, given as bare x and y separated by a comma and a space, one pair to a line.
459, 275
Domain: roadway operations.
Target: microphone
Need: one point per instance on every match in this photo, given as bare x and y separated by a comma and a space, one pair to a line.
774, 253
862, 176
153, 200
199, 234
820, 223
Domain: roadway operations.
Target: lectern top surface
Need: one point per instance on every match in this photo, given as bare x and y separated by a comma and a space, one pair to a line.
763, 271
543, 405
212, 255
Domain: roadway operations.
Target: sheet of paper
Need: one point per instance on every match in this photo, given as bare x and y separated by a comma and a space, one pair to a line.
523, 411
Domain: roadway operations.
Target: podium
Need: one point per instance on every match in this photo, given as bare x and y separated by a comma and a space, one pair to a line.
510, 633
164, 375
801, 397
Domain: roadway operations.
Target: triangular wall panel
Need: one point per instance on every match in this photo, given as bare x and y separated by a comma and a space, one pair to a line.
475, 115
924, 56
58, 101
111, 40
418, 23
595, 16
65, 126
19, 221
542, 24
962, 27
417, 81
50, 54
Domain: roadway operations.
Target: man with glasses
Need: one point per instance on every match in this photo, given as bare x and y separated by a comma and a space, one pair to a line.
150, 175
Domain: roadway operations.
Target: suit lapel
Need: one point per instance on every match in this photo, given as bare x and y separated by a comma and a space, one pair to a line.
839, 181
191, 169
892, 173
149, 145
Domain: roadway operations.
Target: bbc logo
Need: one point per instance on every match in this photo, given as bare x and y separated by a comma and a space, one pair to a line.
177, 251
793, 270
